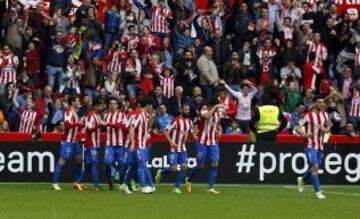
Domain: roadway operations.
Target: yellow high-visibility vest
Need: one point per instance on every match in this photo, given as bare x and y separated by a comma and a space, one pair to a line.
268, 119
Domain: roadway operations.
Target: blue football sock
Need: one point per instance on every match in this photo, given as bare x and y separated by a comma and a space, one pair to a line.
148, 177
94, 173
85, 173
212, 177
57, 174
193, 173
316, 183
307, 175
129, 174
141, 176
108, 173
165, 170
78, 170
122, 171
180, 178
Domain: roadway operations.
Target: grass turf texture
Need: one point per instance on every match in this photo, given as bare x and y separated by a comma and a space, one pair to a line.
243, 201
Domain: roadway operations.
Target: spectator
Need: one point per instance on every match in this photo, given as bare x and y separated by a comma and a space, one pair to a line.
43, 106
159, 98
70, 78
247, 61
60, 127
291, 73
297, 115
244, 100
112, 26
209, 76
8, 67
349, 130
55, 60
32, 61
187, 73
292, 97
230, 108
163, 118
132, 74
308, 99
232, 72
221, 50
4, 127
233, 129
176, 101
86, 105
161, 17
335, 102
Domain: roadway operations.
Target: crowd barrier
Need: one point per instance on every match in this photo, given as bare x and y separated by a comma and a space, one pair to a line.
25, 160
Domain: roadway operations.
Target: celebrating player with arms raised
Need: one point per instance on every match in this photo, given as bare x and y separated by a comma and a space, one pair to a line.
207, 146
176, 133
316, 123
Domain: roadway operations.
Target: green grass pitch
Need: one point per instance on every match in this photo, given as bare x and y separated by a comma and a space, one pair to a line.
237, 201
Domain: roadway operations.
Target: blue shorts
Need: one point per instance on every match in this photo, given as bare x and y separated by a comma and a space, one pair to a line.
136, 156
205, 152
69, 150
147, 154
178, 158
91, 155
314, 157
114, 153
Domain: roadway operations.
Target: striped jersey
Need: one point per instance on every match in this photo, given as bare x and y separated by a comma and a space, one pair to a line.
114, 128
313, 122
71, 121
179, 128
140, 125
209, 128
92, 130
28, 120
355, 103
160, 23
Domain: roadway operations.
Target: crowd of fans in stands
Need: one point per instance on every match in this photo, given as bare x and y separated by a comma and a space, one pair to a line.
287, 52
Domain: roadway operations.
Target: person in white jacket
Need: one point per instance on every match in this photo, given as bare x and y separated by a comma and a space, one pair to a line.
70, 77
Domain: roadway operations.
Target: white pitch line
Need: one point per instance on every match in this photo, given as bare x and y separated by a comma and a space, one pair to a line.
336, 193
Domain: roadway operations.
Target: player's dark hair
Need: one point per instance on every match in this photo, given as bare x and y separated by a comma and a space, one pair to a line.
112, 99
96, 102
72, 99
145, 101
318, 97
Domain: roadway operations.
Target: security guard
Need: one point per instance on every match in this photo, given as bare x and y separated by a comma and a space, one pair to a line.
265, 122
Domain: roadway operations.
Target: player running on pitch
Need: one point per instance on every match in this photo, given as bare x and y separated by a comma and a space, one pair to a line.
207, 146
176, 133
316, 123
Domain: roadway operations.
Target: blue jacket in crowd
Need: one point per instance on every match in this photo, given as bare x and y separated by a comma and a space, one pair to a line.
56, 54
112, 22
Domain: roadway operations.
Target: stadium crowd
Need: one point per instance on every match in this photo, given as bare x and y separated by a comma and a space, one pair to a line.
287, 52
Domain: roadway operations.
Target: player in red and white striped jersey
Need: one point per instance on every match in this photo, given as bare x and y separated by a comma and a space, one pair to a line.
176, 132
92, 144
135, 155
316, 123
160, 18
8, 65
69, 146
29, 119
207, 146
114, 149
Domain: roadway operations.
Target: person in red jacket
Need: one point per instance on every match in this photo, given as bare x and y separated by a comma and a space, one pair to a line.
230, 108
311, 72
149, 43
32, 61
